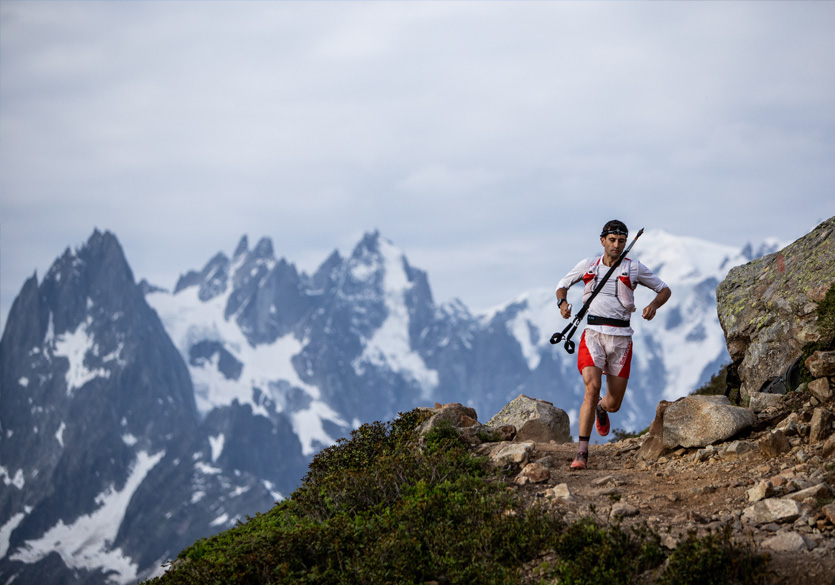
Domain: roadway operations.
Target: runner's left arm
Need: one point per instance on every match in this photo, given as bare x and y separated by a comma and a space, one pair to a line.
647, 278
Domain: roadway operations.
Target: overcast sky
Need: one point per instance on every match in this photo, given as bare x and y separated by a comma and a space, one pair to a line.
488, 140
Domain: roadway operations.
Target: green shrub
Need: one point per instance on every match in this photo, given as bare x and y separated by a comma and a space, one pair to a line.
716, 385
621, 434
379, 509
589, 554
714, 560
442, 437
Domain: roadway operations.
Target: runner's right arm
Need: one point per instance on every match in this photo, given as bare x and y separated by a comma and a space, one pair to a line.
574, 276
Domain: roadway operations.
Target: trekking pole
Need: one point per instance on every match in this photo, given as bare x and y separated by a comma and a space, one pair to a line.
571, 328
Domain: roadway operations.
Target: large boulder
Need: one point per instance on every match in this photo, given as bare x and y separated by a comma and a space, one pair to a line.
767, 307
458, 415
699, 421
822, 389
694, 421
772, 510
653, 446
535, 420
462, 418
821, 425
508, 453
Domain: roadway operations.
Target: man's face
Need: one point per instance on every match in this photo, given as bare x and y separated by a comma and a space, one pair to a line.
613, 245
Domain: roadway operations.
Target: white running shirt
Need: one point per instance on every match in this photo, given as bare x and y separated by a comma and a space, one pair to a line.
606, 303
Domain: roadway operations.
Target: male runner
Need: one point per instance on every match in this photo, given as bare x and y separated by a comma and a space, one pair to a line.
606, 344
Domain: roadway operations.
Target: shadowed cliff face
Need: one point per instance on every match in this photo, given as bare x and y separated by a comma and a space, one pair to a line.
767, 307
105, 464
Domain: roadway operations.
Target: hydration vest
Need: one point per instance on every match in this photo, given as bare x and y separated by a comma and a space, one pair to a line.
624, 287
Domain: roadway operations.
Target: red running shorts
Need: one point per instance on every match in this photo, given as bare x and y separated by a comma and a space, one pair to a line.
610, 353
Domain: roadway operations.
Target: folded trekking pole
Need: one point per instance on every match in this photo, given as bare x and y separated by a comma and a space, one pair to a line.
572, 326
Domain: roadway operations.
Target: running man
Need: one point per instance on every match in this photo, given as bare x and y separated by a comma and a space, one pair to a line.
606, 344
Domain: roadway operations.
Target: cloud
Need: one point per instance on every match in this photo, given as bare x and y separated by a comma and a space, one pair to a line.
439, 180
485, 138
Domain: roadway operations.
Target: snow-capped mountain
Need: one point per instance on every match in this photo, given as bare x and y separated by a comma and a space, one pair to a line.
107, 468
135, 420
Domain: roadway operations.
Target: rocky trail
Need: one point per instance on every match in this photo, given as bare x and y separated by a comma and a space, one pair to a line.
781, 505
765, 470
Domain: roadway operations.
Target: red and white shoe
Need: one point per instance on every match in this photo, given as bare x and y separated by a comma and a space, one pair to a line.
580, 461
601, 421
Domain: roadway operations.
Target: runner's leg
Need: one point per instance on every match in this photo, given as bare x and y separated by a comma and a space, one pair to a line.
615, 390
592, 378
619, 362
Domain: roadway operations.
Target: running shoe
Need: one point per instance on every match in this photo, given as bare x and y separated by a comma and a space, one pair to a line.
580, 460
601, 421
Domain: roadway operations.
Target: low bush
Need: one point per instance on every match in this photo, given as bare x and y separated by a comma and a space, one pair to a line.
715, 559
621, 434
589, 553
716, 385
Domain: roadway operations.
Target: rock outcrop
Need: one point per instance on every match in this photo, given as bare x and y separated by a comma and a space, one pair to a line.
767, 308
821, 366
535, 420
694, 421
698, 421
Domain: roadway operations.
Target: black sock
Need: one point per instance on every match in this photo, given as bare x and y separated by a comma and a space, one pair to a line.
584, 444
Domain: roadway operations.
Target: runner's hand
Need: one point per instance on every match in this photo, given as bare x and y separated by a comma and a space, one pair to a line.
649, 312
565, 310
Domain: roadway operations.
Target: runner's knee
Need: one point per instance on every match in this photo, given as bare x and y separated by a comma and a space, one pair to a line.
593, 389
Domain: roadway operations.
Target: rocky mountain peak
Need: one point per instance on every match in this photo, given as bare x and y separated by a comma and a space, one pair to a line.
263, 249
89, 404
368, 261
92, 278
368, 244
242, 247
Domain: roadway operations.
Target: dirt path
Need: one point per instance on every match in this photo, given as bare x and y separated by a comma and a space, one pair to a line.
680, 493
